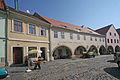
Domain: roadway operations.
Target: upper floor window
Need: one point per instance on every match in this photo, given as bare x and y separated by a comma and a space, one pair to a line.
114, 40
110, 33
78, 37
55, 34
114, 34
91, 38
100, 39
103, 39
42, 31
95, 39
71, 36
117, 41
84, 37
32, 29
18, 26
108, 40
62, 35
111, 41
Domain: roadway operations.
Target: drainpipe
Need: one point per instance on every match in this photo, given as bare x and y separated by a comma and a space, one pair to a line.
50, 43
6, 38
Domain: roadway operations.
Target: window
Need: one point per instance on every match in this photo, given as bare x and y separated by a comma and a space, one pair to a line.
32, 29
42, 31
95, 39
18, 26
71, 36
111, 41
78, 37
100, 39
62, 35
103, 39
117, 41
91, 38
114, 40
110, 33
114, 34
55, 34
108, 40
84, 37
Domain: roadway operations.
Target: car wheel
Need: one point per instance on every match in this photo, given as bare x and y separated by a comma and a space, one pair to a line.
118, 64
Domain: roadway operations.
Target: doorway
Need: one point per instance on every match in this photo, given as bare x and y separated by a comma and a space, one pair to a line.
17, 55
43, 49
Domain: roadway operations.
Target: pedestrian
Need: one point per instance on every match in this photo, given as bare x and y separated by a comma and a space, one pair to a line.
38, 62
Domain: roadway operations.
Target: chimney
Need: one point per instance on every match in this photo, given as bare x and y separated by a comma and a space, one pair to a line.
16, 4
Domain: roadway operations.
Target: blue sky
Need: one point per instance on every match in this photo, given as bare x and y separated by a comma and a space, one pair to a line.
90, 13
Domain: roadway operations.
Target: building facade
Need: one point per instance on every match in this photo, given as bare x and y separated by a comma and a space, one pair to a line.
112, 38
3, 35
67, 39
25, 33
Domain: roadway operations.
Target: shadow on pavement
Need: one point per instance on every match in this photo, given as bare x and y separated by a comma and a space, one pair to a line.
111, 61
113, 71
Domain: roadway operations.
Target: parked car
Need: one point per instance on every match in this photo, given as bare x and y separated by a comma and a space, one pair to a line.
117, 58
3, 73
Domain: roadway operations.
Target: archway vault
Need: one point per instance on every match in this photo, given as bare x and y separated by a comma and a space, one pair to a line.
93, 49
110, 50
117, 49
102, 50
62, 52
80, 50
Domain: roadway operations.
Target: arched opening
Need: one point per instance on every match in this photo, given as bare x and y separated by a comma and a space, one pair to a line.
102, 50
110, 50
79, 50
62, 52
93, 49
117, 49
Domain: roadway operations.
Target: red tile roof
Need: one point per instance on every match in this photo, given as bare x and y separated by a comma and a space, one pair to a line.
118, 31
103, 30
66, 25
2, 4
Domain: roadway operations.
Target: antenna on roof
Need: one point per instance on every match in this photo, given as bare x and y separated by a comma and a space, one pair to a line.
28, 11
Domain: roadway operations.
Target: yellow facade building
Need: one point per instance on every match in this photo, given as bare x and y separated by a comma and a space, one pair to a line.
26, 32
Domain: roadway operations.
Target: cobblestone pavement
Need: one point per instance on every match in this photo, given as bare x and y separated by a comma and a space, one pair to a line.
99, 68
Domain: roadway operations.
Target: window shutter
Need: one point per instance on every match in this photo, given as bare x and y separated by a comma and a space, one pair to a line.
23, 26
12, 25
28, 28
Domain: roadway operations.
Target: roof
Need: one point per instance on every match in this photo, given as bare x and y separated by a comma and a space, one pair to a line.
66, 25
103, 30
21, 12
118, 31
2, 4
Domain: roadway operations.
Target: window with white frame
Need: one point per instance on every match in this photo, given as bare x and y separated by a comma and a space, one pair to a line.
42, 31
18, 26
71, 35
62, 35
55, 34
32, 29
78, 37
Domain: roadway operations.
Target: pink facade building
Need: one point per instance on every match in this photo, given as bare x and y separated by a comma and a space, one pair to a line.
112, 38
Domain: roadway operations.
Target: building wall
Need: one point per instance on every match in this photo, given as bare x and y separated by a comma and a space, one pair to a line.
25, 40
2, 36
74, 43
112, 36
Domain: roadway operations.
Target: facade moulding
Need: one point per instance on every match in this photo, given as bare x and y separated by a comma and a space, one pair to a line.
23, 40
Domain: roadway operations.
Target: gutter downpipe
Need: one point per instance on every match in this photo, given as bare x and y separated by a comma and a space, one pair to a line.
50, 43
6, 38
